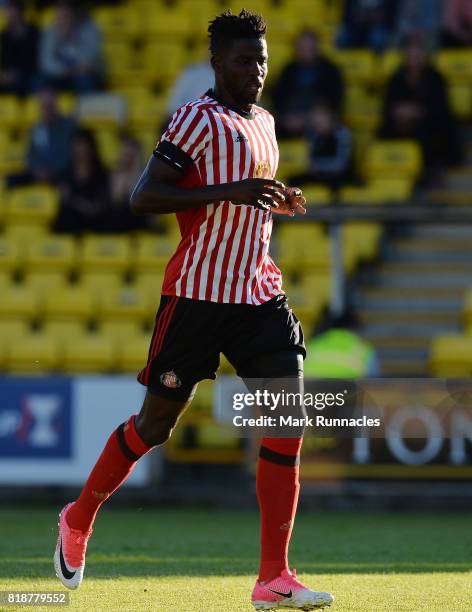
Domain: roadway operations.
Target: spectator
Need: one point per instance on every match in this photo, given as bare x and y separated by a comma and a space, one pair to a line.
309, 78
85, 204
123, 179
330, 149
193, 81
418, 18
49, 149
367, 23
457, 23
18, 51
71, 51
416, 107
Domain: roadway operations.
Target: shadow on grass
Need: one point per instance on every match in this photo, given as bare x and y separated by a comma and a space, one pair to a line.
196, 542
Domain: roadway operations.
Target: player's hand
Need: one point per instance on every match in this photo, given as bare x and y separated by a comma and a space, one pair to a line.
267, 194
294, 203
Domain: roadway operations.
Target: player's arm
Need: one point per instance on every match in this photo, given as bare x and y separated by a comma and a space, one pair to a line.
157, 191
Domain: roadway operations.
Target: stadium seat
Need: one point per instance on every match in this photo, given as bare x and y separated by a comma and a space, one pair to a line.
63, 332
68, 303
89, 352
108, 143
118, 23
150, 283
132, 354
12, 329
43, 283
393, 189
30, 112
170, 23
12, 153
101, 110
24, 234
10, 250
10, 112
147, 112
104, 253
455, 65
362, 109
99, 284
468, 309
280, 53
389, 62
128, 303
301, 246
360, 195
460, 97
18, 301
33, 353
120, 331
164, 59
293, 158
393, 158
36, 205
152, 252
451, 356
317, 195
362, 239
357, 65
52, 253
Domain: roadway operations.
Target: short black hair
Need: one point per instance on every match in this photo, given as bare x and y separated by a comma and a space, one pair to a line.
227, 27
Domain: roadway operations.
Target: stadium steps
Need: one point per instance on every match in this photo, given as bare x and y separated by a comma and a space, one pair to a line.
414, 293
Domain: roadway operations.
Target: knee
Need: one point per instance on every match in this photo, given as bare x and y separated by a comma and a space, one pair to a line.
155, 431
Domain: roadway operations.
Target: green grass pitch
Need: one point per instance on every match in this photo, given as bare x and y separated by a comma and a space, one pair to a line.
200, 560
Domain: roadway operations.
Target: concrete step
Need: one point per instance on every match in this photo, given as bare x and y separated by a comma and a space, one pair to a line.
402, 279
392, 302
415, 291
386, 341
440, 231
398, 367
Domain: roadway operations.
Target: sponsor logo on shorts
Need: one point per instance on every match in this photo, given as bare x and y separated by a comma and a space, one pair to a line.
171, 380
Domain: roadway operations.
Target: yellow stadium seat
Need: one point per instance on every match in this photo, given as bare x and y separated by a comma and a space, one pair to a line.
10, 111
132, 354
68, 303
362, 239
451, 356
165, 59
153, 251
26, 233
460, 97
394, 189
362, 110
360, 195
51, 254
43, 283
302, 246
390, 61
118, 22
150, 283
89, 352
99, 284
18, 302
147, 112
11, 330
293, 158
30, 112
455, 65
35, 205
357, 65
393, 158
468, 309
317, 195
128, 303
283, 24
101, 111
104, 253
12, 153
280, 54
109, 146
168, 23
10, 251
120, 331
34, 353
63, 332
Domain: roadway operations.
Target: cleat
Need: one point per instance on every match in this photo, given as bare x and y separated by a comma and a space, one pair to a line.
69, 557
286, 592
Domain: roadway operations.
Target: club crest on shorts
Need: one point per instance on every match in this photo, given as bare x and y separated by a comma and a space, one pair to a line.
171, 380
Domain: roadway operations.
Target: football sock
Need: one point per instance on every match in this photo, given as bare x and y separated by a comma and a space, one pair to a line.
115, 464
277, 488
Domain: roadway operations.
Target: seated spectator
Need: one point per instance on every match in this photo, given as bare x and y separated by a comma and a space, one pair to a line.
367, 23
18, 51
49, 150
123, 179
330, 149
416, 107
457, 23
418, 18
85, 203
308, 78
71, 51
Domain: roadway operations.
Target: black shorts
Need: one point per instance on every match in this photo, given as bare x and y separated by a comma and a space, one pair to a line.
189, 336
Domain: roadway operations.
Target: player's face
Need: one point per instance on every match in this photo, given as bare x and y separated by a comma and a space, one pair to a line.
242, 68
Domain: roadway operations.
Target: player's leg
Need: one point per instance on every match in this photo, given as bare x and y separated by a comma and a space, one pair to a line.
126, 445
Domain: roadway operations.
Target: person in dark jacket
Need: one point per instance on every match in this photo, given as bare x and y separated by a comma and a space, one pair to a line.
85, 189
367, 23
18, 51
309, 78
416, 107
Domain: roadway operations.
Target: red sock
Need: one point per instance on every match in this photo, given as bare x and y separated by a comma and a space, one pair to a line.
115, 464
277, 492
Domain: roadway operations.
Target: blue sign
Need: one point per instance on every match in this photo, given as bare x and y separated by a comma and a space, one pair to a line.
35, 417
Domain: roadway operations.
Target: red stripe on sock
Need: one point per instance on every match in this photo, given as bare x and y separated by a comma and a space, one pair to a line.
133, 439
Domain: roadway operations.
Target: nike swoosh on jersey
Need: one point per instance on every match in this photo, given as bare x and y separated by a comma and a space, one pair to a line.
67, 573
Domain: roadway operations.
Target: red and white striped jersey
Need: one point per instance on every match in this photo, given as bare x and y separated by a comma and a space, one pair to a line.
223, 255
